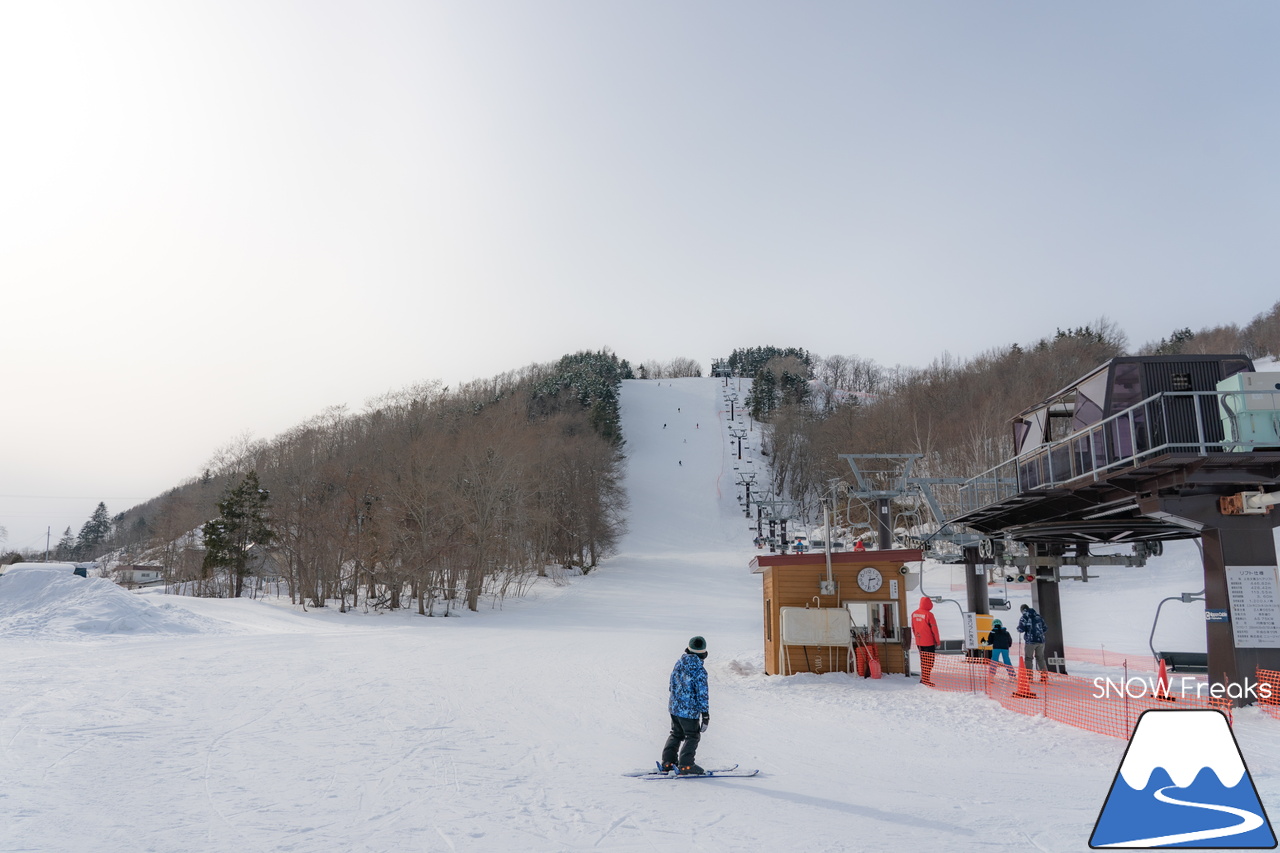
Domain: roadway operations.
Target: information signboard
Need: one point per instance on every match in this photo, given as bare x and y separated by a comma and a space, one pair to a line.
977, 630
1254, 593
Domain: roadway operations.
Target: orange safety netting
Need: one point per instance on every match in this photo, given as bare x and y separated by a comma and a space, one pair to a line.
1105, 705
1269, 698
1106, 658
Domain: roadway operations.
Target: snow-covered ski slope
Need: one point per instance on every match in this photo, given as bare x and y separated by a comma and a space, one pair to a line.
276, 730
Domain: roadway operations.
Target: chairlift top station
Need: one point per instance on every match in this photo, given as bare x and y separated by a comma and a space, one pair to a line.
1100, 461
1141, 450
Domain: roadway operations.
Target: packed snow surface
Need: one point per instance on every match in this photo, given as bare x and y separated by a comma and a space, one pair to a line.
180, 724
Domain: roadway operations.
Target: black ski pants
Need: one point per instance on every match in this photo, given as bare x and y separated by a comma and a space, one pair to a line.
685, 734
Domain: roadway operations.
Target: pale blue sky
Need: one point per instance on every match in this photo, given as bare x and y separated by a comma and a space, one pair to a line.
222, 217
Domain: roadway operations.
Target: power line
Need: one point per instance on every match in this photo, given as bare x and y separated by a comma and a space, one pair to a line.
77, 497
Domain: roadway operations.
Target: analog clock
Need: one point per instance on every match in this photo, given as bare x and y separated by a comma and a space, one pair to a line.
869, 579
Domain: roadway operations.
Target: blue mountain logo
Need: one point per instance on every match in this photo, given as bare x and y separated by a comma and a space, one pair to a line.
1183, 783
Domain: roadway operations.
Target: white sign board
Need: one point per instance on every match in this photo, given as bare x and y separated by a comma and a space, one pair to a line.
1254, 593
815, 626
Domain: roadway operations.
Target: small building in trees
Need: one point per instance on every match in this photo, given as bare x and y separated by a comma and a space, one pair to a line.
139, 575
263, 564
820, 619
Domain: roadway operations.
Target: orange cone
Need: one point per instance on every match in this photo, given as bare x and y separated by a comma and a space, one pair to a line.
1024, 682
1162, 685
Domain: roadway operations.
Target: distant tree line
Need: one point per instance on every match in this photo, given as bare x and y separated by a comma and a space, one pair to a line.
1256, 339
677, 368
431, 498
449, 495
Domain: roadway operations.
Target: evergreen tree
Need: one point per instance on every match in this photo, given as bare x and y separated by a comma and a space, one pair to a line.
793, 383
66, 548
782, 380
1175, 343
763, 396
242, 522
588, 381
94, 532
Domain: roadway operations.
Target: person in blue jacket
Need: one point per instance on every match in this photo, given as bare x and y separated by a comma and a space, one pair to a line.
690, 710
1032, 628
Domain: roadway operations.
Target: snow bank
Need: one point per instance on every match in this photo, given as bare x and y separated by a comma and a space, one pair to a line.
51, 603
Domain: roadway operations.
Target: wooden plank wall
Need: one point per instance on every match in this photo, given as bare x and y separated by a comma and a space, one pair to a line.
798, 586
836, 658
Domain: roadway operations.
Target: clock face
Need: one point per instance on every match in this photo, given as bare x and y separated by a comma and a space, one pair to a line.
869, 579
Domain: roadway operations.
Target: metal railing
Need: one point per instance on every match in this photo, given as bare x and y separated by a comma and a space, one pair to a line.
1190, 422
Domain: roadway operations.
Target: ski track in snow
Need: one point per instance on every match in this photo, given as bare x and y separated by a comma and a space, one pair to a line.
270, 729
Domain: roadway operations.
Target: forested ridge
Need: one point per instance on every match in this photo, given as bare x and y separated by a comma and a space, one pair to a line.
435, 497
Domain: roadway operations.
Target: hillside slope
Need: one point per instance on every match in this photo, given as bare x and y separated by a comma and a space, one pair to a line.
507, 729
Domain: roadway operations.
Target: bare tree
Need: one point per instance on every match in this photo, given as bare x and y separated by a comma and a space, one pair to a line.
1262, 335
653, 370
447, 495
683, 367
1218, 339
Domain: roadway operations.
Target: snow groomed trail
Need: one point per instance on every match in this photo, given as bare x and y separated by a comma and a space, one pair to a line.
508, 729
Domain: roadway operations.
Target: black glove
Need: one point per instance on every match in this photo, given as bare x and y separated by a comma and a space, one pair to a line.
706, 721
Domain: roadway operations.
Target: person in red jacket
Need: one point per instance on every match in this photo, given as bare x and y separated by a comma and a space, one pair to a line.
925, 630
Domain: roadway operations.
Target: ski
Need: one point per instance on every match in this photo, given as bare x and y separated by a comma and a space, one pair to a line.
735, 772
657, 770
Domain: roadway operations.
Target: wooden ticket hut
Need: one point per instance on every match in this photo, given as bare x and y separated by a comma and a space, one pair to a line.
808, 612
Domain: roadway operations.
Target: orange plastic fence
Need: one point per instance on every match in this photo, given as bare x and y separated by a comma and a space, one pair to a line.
1134, 661
1140, 661
1105, 705
1269, 698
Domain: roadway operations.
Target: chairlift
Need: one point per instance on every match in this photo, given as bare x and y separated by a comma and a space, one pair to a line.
1001, 603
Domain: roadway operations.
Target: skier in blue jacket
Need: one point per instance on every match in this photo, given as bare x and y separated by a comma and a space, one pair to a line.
689, 708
